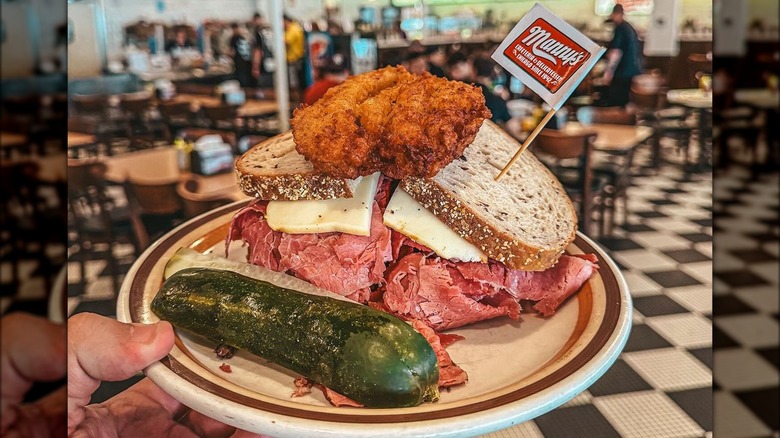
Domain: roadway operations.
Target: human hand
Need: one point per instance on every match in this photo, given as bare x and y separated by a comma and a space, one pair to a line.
32, 350
119, 352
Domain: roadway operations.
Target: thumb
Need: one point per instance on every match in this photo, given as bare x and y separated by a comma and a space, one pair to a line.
101, 348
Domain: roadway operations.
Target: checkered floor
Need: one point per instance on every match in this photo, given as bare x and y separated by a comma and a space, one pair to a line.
745, 333
661, 385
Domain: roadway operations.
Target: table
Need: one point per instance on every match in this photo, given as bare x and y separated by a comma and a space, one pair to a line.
76, 139
611, 137
701, 101
251, 108
160, 166
762, 98
12, 139
52, 169
768, 102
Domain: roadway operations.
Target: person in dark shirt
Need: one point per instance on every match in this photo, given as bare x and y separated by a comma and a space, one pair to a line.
483, 71
241, 52
334, 72
623, 59
262, 57
179, 42
437, 61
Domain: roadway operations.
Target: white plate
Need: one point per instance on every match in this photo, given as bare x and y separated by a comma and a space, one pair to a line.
517, 370
58, 306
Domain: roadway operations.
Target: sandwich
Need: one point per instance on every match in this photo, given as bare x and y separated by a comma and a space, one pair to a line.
447, 247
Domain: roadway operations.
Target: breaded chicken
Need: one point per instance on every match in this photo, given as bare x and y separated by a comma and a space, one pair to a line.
390, 121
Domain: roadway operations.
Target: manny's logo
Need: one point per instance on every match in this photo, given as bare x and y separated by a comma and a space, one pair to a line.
547, 54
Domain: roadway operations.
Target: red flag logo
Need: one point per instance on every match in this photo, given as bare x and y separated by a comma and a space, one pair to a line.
546, 54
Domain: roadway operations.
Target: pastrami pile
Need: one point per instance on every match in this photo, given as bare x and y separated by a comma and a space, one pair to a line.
392, 272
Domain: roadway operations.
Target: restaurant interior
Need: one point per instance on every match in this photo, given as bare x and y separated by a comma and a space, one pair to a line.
123, 120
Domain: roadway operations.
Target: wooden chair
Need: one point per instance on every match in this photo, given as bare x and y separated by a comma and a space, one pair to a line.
613, 115
97, 220
27, 227
195, 203
194, 88
144, 127
90, 104
580, 182
615, 168
220, 117
158, 205
112, 129
176, 115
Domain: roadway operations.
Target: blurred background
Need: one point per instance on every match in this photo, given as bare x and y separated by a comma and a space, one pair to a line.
33, 194
121, 120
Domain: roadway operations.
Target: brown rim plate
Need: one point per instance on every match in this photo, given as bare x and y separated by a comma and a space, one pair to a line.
517, 370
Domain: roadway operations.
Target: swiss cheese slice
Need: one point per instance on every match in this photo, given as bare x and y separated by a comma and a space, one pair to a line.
344, 215
407, 216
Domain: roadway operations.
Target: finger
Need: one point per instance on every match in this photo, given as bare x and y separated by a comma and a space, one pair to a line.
51, 409
142, 407
101, 349
32, 349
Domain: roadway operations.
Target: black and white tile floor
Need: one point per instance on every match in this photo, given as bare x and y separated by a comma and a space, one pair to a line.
745, 331
661, 386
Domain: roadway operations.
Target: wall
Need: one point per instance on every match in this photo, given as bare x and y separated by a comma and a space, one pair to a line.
764, 10
574, 11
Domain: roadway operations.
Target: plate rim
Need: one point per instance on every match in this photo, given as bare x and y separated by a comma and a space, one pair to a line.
166, 373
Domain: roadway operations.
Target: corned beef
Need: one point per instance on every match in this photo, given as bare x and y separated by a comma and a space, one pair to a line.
449, 373
547, 288
421, 288
342, 263
446, 294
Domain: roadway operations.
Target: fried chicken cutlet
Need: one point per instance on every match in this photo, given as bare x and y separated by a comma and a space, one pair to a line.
391, 121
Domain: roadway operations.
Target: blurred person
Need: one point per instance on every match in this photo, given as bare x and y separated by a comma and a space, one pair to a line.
459, 67
294, 41
483, 77
623, 60
463, 69
96, 349
416, 62
179, 42
241, 52
437, 61
216, 31
262, 56
334, 72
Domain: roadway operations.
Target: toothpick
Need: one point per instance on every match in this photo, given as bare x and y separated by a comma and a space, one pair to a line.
526, 143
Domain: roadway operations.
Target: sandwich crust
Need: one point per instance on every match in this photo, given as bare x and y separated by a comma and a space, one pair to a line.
274, 171
525, 221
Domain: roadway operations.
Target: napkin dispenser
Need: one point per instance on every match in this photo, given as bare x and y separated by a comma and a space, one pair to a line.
164, 89
231, 93
211, 156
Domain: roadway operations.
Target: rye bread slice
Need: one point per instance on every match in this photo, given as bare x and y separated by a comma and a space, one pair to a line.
526, 220
273, 170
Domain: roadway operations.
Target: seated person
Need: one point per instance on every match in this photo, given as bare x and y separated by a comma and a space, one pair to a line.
179, 43
479, 72
333, 73
437, 61
416, 62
